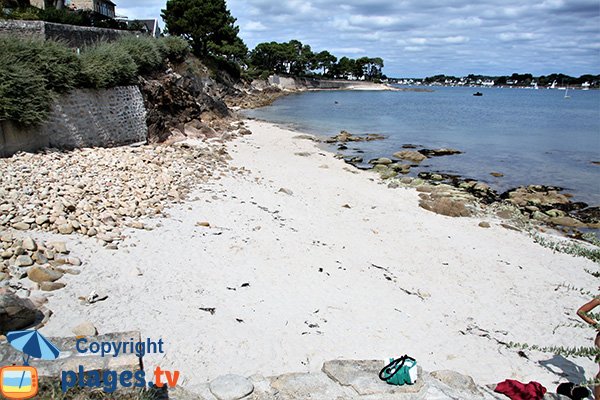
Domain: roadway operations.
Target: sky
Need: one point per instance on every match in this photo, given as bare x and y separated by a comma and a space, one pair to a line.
419, 38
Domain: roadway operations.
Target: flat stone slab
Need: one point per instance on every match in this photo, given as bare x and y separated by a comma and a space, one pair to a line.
363, 377
71, 359
231, 387
457, 381
313, 386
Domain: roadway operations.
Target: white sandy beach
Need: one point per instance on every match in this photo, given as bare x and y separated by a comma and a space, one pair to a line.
327, 281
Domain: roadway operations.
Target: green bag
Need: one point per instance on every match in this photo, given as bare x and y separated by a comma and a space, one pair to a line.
400, 371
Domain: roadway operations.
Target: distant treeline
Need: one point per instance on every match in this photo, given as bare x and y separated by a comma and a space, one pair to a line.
297, 59
517, 80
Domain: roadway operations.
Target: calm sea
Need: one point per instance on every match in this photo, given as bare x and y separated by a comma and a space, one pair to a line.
531, 136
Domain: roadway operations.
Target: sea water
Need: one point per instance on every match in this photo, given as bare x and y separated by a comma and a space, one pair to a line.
530, 136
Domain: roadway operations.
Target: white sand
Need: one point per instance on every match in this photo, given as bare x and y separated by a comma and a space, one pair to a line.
496, 279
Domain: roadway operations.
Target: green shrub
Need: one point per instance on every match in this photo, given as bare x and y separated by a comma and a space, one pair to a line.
174, 48
28, 13
68, 17
107, 65
24, 95
144, 50
58, 64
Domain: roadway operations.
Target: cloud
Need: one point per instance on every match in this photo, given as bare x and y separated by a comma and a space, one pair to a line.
517, 36
254, 26
424, 37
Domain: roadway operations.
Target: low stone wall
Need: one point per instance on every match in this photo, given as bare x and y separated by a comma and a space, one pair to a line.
83, 118
343, 379
74, 36
289, 83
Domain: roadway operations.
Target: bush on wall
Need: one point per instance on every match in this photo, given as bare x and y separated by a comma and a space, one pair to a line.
32, 72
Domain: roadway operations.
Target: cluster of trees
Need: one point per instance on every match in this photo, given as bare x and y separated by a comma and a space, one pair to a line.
207, 25
210, 28
298, 59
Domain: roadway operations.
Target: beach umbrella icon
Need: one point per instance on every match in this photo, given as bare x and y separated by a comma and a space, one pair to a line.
33, 344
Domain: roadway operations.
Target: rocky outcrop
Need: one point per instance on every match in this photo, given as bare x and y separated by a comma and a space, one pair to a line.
173, 99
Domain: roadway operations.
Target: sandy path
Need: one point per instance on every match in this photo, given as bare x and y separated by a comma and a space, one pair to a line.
313, 291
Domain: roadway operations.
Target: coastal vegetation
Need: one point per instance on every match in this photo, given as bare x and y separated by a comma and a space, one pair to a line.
33, 72
516, 79
297, 59
211, 31
207, 25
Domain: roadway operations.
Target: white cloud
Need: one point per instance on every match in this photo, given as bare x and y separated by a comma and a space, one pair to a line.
348, 50
465, 22
517, 36
455, 39
254, 26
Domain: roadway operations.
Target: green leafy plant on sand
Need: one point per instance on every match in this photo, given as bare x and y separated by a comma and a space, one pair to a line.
590, 252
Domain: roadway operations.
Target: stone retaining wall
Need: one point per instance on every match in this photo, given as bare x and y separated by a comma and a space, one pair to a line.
289, 83
74, 36
83, 118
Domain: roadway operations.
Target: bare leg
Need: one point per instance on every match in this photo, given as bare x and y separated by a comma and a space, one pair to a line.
597, 387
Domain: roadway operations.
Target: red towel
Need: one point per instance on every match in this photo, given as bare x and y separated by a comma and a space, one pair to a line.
516, 390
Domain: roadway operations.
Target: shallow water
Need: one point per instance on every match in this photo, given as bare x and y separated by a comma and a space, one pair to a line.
531, 136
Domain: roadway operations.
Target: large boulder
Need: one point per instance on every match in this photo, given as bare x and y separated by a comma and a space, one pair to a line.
446, 206
40, 274
16, 313
410, 155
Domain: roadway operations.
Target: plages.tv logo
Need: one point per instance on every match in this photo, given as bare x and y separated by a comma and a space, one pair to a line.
110, 380
21, 382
